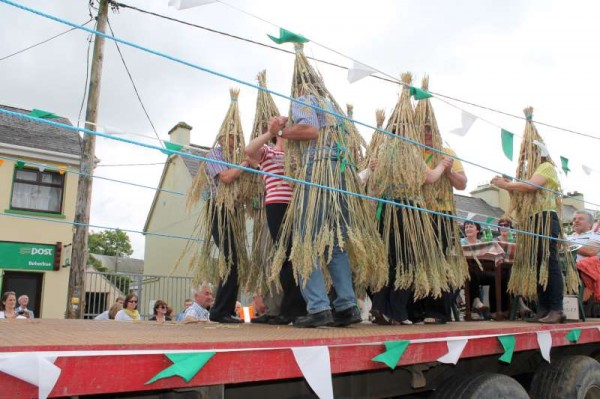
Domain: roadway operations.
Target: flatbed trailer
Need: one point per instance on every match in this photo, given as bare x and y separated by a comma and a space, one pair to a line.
118, 359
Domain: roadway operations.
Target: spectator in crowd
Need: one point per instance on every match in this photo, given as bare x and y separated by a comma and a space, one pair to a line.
238, 312
8, 305
588, 262
258, 305
472, 233
22, 308
203, 300
186, 304
504, 225
477, 276
160, 312
106, 314
120, 300
129, 312
114, 309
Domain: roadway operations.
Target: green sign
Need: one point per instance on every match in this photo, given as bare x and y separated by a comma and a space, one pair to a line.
19, 255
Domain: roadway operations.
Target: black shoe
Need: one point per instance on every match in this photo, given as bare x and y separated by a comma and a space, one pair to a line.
346, 317
320, 319
536, 317
263, 319
281, 320
226, 319
554, 317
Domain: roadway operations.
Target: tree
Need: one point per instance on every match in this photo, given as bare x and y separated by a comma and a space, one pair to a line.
111, 243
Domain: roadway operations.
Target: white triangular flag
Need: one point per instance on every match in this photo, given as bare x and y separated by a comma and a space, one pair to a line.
359, 71
544, 339
455, 349
315, 365
183, 4
112, 130
35, 369
543, 149
467, 121
471, 215
586, 169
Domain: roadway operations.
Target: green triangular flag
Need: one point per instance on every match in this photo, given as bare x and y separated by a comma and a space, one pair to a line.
285, 36
508, 342
393, 353
20, 164
565, 165
185, 365
170, 146
573, 335
489, 219
419, 93
38, 113
507, 143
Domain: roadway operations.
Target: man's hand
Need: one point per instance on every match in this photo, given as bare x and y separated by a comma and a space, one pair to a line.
276, 124
447, 162
500, 182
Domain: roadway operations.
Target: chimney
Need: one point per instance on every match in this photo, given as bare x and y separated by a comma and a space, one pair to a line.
492, 195
576, 200
180, 134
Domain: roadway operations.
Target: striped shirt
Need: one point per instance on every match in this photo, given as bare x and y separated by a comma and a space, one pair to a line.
213, 169
197, 312
279, 190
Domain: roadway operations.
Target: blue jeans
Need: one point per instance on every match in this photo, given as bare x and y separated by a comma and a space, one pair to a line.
314, 290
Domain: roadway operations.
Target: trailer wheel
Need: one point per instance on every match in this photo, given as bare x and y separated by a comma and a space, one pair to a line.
481, 385
567, 377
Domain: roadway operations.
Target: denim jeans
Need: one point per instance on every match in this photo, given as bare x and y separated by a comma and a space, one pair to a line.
314, 290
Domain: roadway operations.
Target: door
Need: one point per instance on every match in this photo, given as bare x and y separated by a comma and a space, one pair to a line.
26, 283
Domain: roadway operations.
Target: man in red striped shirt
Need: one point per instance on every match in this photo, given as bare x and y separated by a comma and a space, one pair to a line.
279, 193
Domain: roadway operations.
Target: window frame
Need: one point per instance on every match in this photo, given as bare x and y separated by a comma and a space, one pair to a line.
38, 182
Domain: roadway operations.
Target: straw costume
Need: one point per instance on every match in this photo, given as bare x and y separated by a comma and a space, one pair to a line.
416, 261
358, 152
439, 196
535, 269
221, 228
327, 227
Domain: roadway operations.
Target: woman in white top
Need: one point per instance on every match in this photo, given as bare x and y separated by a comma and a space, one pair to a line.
8, 305
129, 312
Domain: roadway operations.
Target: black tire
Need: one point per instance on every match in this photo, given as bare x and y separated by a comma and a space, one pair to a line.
576, 377
480, 385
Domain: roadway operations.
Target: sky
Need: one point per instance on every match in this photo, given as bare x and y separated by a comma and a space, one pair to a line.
501, 55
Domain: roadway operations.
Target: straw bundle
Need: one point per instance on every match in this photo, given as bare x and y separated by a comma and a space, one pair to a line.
262, 243
317, 223
357, 153
224, 205
523, 206
439, 195
376, 139
399, 176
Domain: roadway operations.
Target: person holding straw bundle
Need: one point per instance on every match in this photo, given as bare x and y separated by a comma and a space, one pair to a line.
535, 204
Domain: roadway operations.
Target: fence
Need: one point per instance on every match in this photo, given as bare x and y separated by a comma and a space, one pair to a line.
102, 290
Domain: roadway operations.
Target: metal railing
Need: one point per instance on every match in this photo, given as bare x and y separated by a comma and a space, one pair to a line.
102, 290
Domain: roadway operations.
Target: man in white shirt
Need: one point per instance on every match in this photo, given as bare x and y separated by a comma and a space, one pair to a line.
203, 300
584, 236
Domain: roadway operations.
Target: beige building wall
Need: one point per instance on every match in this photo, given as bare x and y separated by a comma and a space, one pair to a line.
54, 291
493, 196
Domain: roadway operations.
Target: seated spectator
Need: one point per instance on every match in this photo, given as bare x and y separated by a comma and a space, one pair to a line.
203, 300
258, 305
477, 276
129, 312
588, 262
504, 225
106, 314
22, 308
472, 233
239, 310
8, 306
160, 312
186, 304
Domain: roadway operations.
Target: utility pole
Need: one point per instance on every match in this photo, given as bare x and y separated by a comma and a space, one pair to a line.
76, 292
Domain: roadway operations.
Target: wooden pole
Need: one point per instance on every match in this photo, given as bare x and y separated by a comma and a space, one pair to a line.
76, 291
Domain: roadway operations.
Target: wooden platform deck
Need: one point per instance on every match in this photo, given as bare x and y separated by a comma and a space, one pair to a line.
108, 356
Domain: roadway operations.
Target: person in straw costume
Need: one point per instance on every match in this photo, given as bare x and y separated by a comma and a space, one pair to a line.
267, 151
225, 190
534, 206
416, 263
330, 230
439, 197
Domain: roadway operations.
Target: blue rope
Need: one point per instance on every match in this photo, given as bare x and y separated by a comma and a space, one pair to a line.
242, 82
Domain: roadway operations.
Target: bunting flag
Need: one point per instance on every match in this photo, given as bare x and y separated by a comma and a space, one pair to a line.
285, 36
20, 164
184, 4
42, 167
35, 369
544, 339
467, 121
543, 149
455, 349
419, 94
586, 169
573, 335
38, 113
315, 365
359, 71
393, 353
170, 147
508, 342
489, 219
507, 143
185, 365
565, 165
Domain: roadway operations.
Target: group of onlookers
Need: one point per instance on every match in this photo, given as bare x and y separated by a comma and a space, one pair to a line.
11, 308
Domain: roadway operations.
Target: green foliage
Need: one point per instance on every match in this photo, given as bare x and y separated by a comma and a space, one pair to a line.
96, 264
121, 282
111, 243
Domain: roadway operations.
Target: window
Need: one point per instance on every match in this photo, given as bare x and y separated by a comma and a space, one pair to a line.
37, 191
